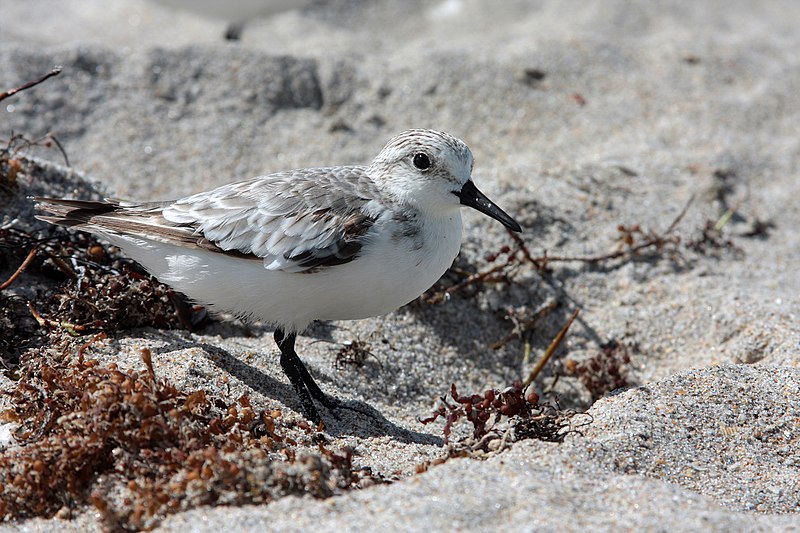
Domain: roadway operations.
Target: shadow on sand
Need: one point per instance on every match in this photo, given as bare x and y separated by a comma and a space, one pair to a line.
354, 418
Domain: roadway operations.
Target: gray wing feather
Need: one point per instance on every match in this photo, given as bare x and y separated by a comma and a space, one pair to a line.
295, 221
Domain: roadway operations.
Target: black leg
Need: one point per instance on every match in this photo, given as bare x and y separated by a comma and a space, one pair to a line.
301, 379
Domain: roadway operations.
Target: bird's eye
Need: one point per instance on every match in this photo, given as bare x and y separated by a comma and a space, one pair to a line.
422, 161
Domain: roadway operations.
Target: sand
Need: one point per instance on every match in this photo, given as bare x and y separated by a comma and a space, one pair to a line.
581, 118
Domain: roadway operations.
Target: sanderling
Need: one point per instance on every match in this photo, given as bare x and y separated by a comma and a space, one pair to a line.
336, 243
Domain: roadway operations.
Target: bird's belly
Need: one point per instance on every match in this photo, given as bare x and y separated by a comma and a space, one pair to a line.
384, 277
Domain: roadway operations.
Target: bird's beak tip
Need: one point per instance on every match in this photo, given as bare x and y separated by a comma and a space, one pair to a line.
472, 197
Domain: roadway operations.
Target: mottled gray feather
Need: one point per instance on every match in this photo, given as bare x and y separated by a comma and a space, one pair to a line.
296, 221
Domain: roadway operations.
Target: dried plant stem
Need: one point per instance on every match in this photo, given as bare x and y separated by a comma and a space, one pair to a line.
62, 265
21, 269
471, 280
652, 240
724, 219
55, 72
58, 144
551, 349
75, 330
540, 313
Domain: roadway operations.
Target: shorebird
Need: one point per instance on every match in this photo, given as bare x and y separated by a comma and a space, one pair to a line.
335, 243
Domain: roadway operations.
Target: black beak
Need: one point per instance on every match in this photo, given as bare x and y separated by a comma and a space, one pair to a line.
471, 196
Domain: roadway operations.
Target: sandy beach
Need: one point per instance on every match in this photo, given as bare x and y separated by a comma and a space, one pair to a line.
649, 150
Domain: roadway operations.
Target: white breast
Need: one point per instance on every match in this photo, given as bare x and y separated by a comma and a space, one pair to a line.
387, 274
390, 273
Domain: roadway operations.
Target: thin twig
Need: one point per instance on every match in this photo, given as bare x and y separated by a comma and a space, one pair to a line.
60, 147
472, 279
724, 219
551, 349
525, 252
62, 265
73, 329
21, 268
540, 313
18, 143
55, 72
680, 216
655, 239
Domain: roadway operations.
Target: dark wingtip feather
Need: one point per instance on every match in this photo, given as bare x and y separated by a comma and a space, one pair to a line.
70, 212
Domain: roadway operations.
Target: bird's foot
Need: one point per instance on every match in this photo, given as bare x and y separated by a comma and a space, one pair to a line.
304, 384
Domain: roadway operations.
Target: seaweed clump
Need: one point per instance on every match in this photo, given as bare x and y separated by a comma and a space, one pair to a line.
81, 287
605, 371
522, 416
138, 449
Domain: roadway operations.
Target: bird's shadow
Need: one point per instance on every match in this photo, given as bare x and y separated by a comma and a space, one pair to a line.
228, 327
353, 418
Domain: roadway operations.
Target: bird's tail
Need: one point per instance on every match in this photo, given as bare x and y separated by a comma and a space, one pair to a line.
73, 213
116, 219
